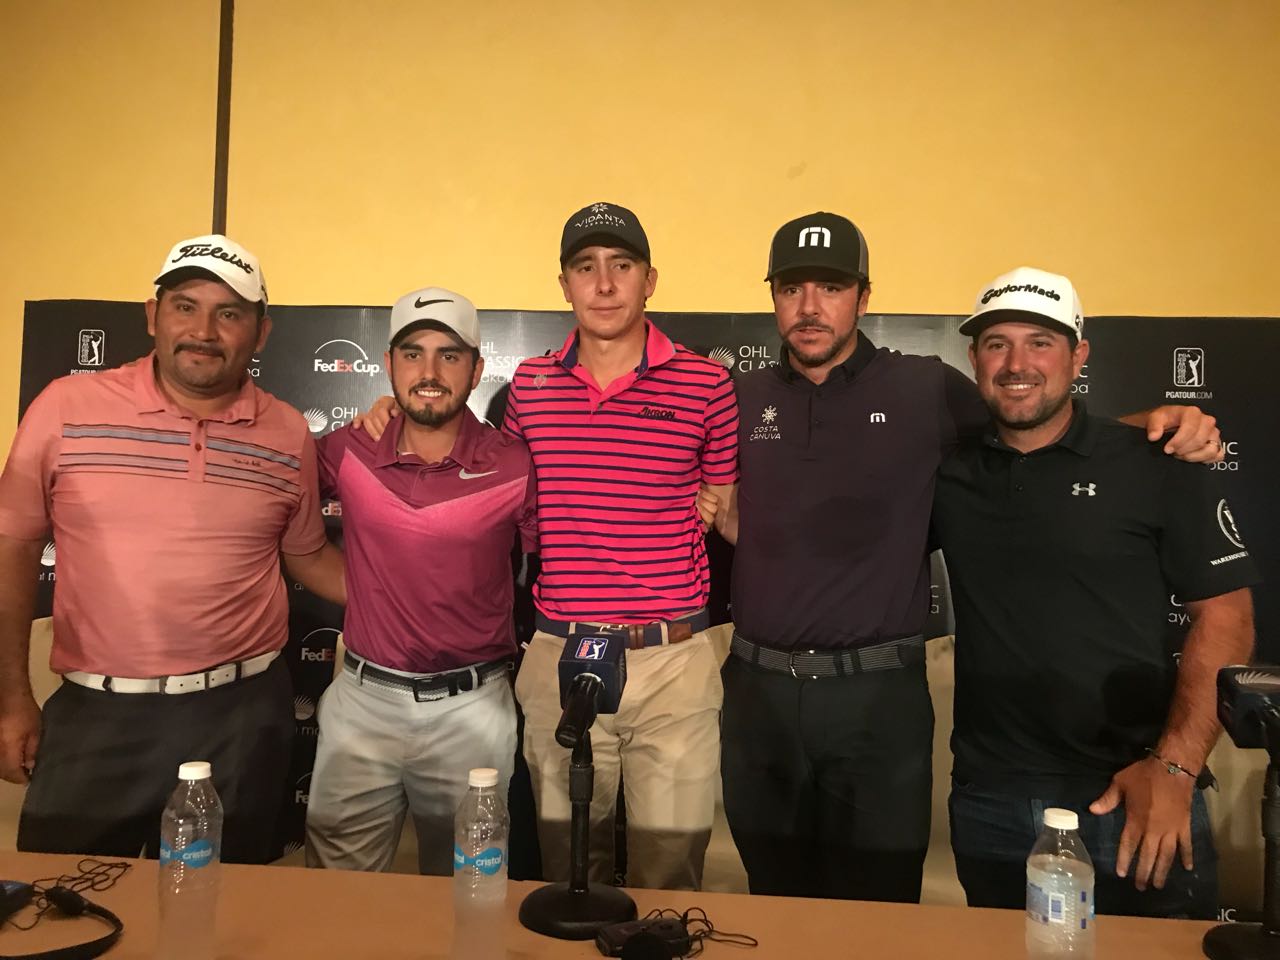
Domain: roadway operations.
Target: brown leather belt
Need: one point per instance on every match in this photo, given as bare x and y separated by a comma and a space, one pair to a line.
656, 633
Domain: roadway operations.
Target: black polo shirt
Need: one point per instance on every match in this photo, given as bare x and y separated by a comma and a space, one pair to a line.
1062, 562
833, 503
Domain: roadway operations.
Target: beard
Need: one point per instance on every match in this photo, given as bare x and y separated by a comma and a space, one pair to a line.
1048, 408
429, 416
808, 357
203, 376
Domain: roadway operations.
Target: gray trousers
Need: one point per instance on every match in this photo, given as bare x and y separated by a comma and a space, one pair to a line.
382, 754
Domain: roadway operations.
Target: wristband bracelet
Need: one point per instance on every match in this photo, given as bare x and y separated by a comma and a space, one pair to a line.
1202, 780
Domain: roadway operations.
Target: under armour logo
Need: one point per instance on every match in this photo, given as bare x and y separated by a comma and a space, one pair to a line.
815, 237
1088, 489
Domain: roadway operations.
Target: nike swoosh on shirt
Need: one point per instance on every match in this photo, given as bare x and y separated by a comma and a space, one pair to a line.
472, 476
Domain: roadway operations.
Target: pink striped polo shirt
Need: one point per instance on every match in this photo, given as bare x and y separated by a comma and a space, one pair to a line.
168, 528
428, 545
618, 475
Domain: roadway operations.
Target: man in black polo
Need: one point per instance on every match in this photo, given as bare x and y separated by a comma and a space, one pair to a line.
1065, 534
827, 724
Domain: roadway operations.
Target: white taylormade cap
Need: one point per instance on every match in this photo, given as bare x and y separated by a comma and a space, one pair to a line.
215, 255
435, 306
1028, 295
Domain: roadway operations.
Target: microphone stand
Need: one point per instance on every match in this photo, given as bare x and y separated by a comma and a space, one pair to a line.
1259, 941
575, 910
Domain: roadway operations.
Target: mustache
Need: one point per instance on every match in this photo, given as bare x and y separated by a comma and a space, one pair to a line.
207, 349
1007, 378
810, 325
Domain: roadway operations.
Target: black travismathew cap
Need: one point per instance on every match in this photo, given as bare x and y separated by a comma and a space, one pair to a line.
607, 224
824, 240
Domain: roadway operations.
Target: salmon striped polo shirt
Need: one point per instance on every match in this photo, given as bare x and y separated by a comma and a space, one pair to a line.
168, 528
618, 471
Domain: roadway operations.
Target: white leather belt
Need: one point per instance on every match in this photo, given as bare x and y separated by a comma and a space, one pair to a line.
187, 683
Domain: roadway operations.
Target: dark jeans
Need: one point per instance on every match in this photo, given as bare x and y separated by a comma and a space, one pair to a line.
827, 782
107, 763
992, 835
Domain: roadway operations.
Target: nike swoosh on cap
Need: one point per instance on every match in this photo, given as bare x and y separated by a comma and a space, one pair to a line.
472, 476
426, 303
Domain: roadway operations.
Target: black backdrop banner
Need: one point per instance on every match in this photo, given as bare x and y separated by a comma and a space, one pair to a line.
328, 363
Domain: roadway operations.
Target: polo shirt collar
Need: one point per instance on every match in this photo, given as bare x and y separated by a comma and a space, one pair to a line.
658, 349
853, 365
149, 398
464, 444
1080, 437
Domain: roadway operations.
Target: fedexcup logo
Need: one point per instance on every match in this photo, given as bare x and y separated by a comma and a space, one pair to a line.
49, 555
723, 355
354, 361
302, 790
488, 861
317, 420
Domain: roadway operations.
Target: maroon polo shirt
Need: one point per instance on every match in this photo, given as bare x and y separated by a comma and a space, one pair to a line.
428, 546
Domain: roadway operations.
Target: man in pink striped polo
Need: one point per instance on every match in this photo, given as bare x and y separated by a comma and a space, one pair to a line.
623, 426
172, 486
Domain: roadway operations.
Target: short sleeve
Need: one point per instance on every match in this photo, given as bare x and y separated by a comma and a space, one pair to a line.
720, 444
966, 414
330, 450
511, 418
305, 531
1202, 551
26, 486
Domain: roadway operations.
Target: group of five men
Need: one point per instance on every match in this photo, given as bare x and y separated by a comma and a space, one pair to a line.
617, 451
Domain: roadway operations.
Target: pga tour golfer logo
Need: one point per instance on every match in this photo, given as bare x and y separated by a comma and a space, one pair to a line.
591, 648
1188, 375
488, 861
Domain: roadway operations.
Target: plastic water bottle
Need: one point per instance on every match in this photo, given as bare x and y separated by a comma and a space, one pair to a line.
1060, 909
190, 852
481, 829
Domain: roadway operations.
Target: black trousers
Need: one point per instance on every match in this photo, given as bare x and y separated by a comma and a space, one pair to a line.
107, 763
827, 782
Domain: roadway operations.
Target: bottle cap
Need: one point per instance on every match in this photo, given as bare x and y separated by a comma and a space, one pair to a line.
483, 777
1061, 819
195, 770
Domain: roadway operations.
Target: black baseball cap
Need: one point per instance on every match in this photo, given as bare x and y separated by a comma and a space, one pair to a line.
607, 224
823, 240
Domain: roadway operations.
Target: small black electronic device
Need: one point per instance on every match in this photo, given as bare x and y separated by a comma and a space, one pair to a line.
672, 931
14, 896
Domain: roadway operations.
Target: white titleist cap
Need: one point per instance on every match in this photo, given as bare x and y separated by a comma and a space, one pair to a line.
215, 255
435, 306
1028, 295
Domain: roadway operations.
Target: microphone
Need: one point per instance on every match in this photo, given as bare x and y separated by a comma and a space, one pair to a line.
593, 673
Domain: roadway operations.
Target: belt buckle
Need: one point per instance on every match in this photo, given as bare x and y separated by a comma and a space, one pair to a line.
422, 686
791, 665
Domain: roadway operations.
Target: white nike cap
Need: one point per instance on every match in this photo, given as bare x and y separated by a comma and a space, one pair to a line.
219, 257
435, 307
1030, 296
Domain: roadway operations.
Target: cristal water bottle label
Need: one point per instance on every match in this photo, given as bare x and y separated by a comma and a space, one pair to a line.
193, 855
1045, 907
488, 861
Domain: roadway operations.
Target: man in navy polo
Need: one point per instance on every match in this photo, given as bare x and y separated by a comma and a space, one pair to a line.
1064, 534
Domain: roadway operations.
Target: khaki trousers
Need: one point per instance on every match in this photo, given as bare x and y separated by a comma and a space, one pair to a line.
665, 744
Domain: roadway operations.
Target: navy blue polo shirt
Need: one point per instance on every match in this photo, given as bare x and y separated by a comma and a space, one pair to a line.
1062, 562
836, 487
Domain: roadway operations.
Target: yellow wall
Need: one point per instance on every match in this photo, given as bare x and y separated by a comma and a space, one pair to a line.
382, 145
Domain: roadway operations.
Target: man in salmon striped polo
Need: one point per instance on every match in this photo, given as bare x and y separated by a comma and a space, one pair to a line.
623, 425
172, 485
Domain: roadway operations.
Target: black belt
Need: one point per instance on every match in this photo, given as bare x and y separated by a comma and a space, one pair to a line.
432, 686
814, 664
657, 633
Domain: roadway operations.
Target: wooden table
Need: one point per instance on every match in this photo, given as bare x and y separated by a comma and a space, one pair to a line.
298, 914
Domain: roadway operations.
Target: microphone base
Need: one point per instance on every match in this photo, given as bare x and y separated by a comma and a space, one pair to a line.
1241, 941
556, 911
